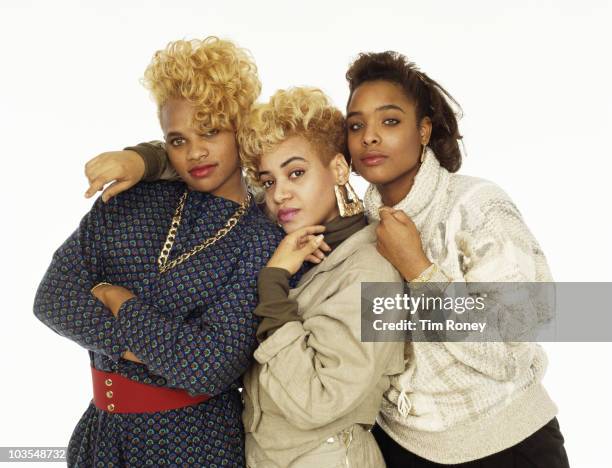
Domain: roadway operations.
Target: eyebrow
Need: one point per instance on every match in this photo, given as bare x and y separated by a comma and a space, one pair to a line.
288, 161
378, 109
173, 133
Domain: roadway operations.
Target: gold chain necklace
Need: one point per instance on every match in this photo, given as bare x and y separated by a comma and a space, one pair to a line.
162, 261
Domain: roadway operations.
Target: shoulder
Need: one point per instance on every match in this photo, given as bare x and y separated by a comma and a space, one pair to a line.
475, 189
147, 196
365, 262
260, 237
262, 231
144, 200
474, 197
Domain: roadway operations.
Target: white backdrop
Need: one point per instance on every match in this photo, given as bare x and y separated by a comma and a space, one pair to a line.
533, 79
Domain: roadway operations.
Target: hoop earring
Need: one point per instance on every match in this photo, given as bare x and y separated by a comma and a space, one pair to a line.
423, 153
352, 170
349, 203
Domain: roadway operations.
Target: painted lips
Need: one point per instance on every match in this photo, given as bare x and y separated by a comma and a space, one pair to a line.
202, 171
286, 215
373, 159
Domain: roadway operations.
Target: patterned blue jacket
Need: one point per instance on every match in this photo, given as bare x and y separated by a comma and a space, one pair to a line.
192, 326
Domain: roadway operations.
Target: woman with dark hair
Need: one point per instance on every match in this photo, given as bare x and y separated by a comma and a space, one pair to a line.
462, 403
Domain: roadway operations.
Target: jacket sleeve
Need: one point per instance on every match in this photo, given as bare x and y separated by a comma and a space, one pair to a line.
499, 257
63, 300
196, 354
318, 370
157, 165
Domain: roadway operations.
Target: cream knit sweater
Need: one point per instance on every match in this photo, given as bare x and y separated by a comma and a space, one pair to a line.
457, 402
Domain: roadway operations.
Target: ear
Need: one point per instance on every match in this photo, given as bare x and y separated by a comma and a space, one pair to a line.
425, 130
340, 168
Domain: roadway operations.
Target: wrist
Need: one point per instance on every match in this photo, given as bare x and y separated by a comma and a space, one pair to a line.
99, 291
426, 275
415, 269
275, 264
139, 163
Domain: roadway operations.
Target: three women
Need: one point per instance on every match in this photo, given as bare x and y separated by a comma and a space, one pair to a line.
459, 403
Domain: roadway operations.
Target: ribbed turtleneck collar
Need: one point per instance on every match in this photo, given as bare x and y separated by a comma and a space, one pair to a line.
340, 229
420, 195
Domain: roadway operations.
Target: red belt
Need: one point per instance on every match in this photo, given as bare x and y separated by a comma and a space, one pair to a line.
117, 394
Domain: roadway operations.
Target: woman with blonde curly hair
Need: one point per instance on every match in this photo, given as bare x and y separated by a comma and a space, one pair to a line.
159, 284
315, 388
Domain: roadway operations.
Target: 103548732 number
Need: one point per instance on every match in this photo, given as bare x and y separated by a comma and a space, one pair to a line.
55, 454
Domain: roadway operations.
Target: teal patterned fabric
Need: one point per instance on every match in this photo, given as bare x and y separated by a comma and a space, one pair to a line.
192, 326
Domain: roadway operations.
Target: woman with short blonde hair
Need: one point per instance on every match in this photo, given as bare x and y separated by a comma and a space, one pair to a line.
159, 283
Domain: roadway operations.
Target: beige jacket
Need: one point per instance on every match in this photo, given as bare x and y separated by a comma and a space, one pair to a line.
313, 378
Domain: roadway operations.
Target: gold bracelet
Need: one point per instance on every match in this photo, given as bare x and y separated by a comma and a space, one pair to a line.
99, 284
424, 278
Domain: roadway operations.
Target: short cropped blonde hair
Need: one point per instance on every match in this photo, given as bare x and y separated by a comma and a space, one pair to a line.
218, 77
305, 112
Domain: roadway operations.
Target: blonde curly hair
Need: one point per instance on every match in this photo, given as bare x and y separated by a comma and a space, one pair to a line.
218, 77
303, 111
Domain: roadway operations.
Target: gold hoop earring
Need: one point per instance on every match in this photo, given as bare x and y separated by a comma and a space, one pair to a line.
349, 203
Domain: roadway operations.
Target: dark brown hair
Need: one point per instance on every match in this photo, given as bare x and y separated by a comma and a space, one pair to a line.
431, 100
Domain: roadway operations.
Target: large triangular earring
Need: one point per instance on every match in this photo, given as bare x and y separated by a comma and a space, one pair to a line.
349, 203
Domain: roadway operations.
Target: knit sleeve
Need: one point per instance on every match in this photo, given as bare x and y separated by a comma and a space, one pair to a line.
63, 300
495, 250
196, 354
155, 157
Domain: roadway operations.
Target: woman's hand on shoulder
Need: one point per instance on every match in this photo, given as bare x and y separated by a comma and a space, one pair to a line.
303, 244
123, 168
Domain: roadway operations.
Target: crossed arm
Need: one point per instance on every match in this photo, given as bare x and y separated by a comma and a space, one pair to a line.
194, 353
